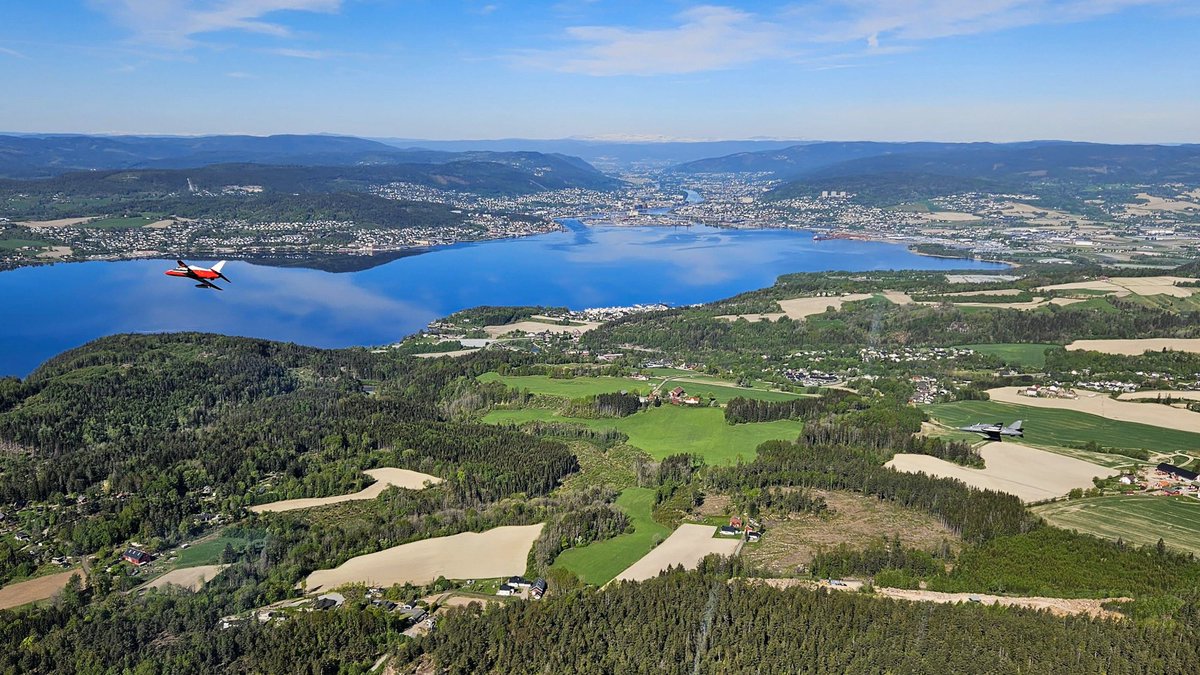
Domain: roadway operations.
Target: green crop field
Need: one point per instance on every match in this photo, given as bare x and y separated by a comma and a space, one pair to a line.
576, 387
1027, 355
599, 562
207, 552
1134, 518
119, 223
1050, 427
14, 244
673, 429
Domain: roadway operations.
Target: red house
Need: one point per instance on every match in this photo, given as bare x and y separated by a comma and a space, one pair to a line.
137, 557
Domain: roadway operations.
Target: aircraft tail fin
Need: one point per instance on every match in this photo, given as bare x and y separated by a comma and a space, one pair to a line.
217, 268
1015, 426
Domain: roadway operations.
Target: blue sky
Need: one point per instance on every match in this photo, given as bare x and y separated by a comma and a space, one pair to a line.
1102, 70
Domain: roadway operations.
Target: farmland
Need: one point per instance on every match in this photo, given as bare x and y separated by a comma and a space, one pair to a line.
579, 387
1029, 473
1134, 518
576, 387
686, 546
1023, 355
384, 478
672, 429
498, 552
1066, 428
599, 562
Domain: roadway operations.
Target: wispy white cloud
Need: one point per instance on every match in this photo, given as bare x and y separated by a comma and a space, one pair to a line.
707, 37
12, 52
175, 23
712, 37
313, 54
240, 75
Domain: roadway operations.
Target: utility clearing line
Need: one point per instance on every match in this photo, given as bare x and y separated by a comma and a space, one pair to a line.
710, 608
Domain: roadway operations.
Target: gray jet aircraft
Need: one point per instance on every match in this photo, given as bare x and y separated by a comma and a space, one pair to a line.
997, 431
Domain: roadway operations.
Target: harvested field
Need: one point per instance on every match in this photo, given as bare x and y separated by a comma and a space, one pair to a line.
41, 588
1122, 286
498, 552
799, 308
1000, 292
160, 224
1036, 303
1137, 347
384, 478
686, 546
1029, 473
60, 222
56, 252
1159, 393
191, 578
1150, 204
854, 520
538, 327
1137, 519
898, 297
1106, 407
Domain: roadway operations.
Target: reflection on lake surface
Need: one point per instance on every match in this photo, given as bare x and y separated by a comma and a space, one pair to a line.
49, 309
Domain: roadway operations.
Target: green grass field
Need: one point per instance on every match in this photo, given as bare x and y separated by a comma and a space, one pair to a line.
577, 387
207, 552
1136, 519
120, 223
1026, 355
672, 429
599, 562
14, 244
1049, 427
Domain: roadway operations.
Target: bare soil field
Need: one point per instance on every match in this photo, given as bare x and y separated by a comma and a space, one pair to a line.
800, 308
854, 520
1029, 473
686, 546
1164, 393
61, 222
1104, 406
191, 578
384, 478
1137, 347
1122, 286
1036, 303
56, 252
994, 291
160, 224
898, 297
41, 588
498, 552
1150, 204
538, 327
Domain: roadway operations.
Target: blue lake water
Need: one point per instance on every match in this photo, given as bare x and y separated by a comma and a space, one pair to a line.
46, 310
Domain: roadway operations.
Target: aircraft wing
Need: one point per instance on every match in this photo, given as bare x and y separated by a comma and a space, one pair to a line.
205, 283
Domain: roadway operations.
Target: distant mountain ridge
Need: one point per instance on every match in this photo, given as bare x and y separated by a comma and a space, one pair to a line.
896, 172
25, 157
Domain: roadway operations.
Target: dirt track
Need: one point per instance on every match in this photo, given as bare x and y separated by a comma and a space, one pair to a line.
1092, 607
